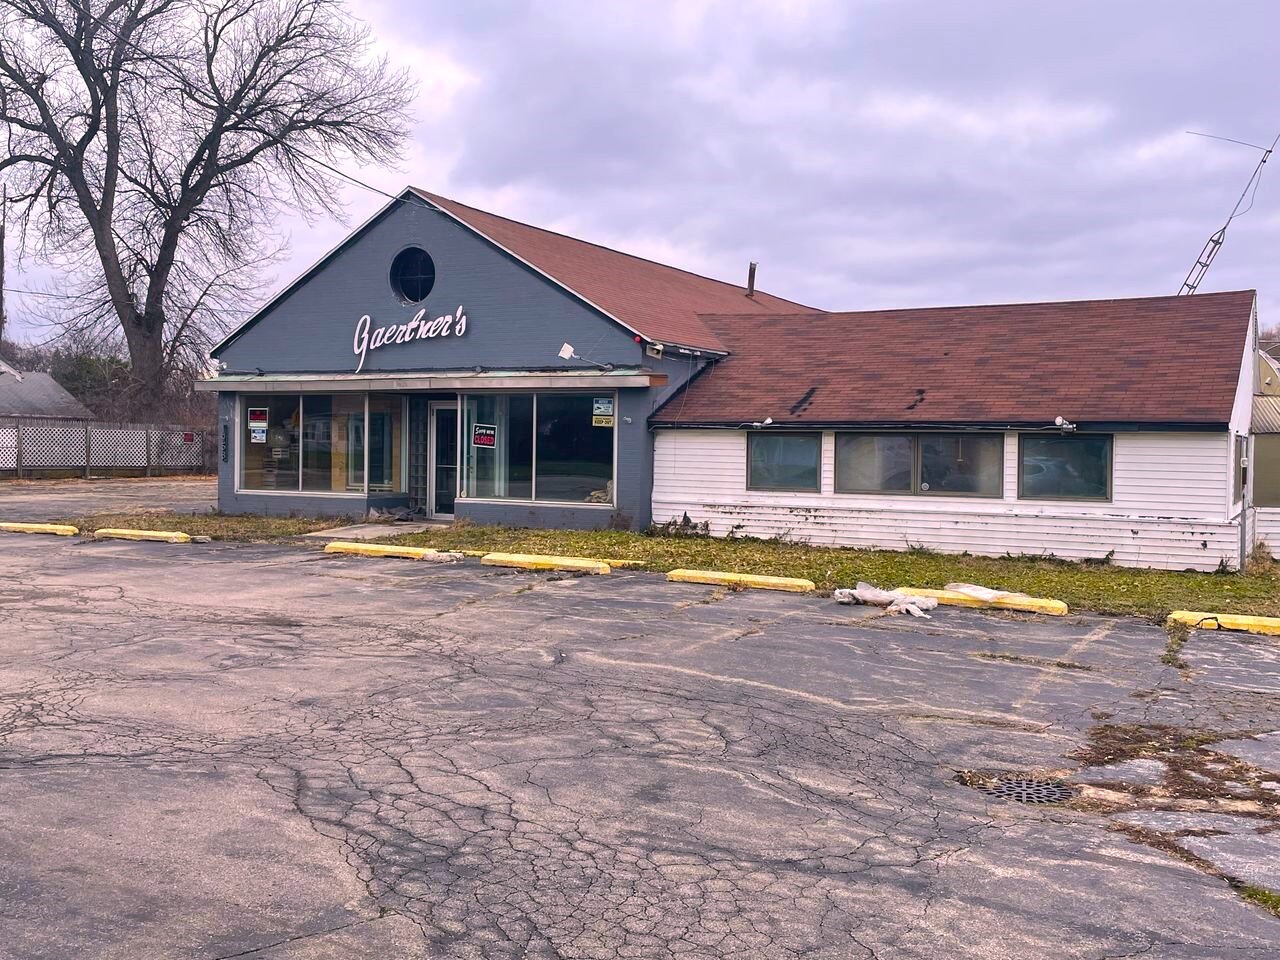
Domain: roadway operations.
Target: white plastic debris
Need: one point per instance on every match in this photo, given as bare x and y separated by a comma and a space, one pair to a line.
985, 594
891, 600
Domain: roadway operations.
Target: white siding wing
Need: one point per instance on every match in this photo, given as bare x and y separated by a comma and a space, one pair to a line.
1169, 505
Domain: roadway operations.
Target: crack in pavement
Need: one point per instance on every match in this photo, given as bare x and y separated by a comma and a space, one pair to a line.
526, 767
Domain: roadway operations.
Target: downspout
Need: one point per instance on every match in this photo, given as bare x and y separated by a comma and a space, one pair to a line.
1246, 488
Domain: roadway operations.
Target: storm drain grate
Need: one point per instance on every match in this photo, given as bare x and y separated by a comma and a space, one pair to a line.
1030, 790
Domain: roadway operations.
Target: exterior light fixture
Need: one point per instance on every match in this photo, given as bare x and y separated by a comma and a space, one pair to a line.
568, 353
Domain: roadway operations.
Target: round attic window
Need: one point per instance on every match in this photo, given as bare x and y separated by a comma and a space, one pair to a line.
413, 274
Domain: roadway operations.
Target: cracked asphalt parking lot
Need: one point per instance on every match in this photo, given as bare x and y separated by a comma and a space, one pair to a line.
260, 751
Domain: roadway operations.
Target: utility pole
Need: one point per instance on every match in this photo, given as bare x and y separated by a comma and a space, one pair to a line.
1214, 243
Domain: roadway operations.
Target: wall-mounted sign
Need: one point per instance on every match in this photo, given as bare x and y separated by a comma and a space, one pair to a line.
484, 435
419, 328
602, 421
257, 421
602, 406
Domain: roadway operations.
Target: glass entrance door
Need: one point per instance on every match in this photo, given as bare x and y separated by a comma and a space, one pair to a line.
443, 447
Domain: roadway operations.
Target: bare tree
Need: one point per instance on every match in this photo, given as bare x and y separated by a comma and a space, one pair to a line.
151, 143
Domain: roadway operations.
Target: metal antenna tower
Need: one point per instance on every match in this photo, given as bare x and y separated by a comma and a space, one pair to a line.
1214, 243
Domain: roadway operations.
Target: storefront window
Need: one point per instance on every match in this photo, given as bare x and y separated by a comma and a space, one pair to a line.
333, 443
783, 461
386, 426
962, 463
874, 462
965, 464
269, 442
575, 448
497, 443
548, 446
1065, 467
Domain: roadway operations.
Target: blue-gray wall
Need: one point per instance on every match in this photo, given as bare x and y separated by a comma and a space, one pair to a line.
516, 320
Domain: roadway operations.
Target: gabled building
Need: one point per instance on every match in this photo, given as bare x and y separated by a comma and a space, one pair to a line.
37, 395
465, 364
468, 365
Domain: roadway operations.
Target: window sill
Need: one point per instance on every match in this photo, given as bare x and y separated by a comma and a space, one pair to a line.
300, 493
1022, 499
538, 503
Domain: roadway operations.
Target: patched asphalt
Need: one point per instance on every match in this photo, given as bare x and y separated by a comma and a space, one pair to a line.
221, 751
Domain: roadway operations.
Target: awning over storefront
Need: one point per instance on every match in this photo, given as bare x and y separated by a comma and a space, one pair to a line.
1266, 414
444, 380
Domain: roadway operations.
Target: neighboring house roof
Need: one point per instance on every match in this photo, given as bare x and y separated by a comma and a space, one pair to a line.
38, 395
1268, 375
1266, 414
1157, 360
658, 302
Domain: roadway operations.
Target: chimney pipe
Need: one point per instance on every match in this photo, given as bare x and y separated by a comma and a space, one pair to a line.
751, 279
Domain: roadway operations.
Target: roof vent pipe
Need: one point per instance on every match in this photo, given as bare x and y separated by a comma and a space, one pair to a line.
751, 279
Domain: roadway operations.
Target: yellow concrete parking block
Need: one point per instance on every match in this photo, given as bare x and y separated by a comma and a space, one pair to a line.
535, 561
388, 550
755, 581
1227, 621
619, 564
57, 529
161, 536
1045, 605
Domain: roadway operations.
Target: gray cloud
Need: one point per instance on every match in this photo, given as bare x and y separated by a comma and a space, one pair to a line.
869, 154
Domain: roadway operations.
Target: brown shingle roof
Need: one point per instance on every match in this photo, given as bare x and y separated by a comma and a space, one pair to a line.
1153, 360
660, 302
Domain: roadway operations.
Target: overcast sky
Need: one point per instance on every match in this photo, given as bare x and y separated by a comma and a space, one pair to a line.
868, 154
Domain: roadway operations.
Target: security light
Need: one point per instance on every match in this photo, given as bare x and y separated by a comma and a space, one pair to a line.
568, 353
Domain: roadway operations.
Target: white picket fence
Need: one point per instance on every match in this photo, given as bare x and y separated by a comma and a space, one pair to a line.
29, 445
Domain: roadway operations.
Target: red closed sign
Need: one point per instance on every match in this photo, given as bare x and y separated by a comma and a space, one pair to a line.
484, 435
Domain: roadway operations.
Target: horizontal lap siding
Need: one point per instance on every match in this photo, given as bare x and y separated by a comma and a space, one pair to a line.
1168, 510
1267, 527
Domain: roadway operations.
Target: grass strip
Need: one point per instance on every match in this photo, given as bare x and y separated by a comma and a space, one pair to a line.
1082, 586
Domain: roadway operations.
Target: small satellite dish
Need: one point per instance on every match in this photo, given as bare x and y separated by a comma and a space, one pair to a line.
566, 352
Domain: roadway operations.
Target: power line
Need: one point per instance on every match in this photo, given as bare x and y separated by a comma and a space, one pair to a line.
89, 296
1214, 136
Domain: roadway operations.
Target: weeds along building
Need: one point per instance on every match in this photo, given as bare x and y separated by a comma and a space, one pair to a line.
466, 365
